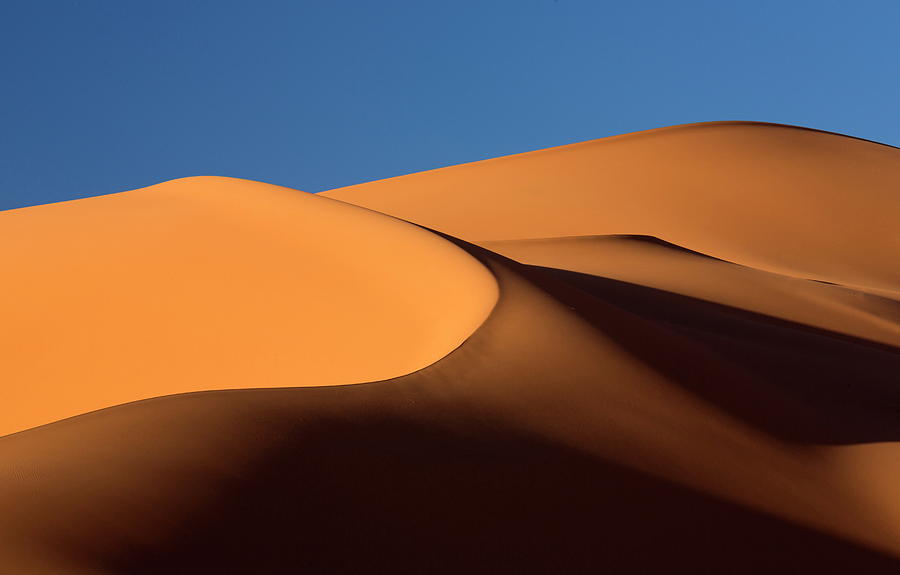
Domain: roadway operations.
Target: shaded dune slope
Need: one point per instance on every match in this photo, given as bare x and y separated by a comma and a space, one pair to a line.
650, 262
629, 404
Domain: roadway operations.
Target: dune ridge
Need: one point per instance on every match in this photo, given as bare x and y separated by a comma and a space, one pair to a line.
217, 283
689, 390
650, 262
772, 197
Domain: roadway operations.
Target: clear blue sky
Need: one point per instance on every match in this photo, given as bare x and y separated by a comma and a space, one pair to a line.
104, 96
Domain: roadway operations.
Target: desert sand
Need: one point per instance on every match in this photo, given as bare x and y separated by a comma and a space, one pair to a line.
675, 350
219, 283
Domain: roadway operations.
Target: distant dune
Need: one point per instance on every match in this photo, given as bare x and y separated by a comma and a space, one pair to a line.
669, 351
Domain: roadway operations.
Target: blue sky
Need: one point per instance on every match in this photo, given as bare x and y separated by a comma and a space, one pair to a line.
105, 96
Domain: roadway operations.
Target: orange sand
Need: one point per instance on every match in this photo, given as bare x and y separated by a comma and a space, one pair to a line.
778, 198
219, 283
672, 351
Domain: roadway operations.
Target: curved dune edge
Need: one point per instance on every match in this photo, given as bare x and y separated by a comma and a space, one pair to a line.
218, 283
517, 437
653, 263
789, 200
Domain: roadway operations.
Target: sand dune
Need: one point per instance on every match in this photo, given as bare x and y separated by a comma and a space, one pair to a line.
676, 350
649, 262
217, 283
778, 198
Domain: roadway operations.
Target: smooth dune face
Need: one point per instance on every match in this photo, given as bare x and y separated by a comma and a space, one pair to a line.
672, 351
779, 198
218, 283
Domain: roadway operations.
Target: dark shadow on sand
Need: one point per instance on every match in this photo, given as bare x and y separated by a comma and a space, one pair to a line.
384, 496
803, 383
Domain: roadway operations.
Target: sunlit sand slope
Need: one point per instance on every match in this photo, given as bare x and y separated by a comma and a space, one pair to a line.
217, 283
673, 351
783, 199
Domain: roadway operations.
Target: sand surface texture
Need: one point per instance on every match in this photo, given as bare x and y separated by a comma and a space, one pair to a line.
670, 351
